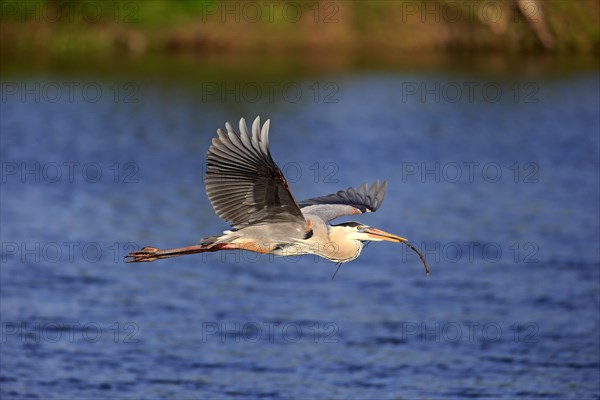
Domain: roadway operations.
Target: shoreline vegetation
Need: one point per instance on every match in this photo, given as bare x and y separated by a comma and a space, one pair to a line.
410, 27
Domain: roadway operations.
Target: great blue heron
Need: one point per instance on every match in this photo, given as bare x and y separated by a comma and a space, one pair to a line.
248, 190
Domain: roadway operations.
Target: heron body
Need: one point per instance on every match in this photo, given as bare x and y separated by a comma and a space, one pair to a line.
323, 241
247, 189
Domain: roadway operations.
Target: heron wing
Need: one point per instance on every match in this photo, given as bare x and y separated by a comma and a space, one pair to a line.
243, 183
346, 202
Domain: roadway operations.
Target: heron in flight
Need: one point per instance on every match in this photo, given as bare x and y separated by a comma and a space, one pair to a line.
247, 189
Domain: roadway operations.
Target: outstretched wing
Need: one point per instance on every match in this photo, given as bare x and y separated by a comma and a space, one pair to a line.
346, 202
243, 183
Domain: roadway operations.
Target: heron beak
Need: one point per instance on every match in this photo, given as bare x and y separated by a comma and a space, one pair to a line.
377, 234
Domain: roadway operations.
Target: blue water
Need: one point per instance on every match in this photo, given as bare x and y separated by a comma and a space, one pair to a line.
500, 192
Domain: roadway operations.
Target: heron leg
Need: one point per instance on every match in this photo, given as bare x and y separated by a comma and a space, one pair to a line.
149, 253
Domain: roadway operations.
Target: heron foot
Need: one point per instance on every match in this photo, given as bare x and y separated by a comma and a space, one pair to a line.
146, 254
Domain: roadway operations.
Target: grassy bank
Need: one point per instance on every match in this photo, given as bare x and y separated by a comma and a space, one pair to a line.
56, 27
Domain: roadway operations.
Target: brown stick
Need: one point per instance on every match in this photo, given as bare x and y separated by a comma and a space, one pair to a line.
420, 255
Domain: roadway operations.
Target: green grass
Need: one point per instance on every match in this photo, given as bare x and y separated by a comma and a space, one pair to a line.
109, 26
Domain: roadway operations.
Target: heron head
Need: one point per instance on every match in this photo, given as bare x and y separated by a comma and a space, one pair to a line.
362, 232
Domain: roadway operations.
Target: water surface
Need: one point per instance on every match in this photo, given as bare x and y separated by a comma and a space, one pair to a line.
499, 191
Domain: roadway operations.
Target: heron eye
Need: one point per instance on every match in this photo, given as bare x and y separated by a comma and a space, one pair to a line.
359, 227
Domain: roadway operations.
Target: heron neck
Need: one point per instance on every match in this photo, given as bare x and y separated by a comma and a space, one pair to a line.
340, 249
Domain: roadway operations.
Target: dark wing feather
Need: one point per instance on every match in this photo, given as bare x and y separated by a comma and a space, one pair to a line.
346, 202
243, 183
